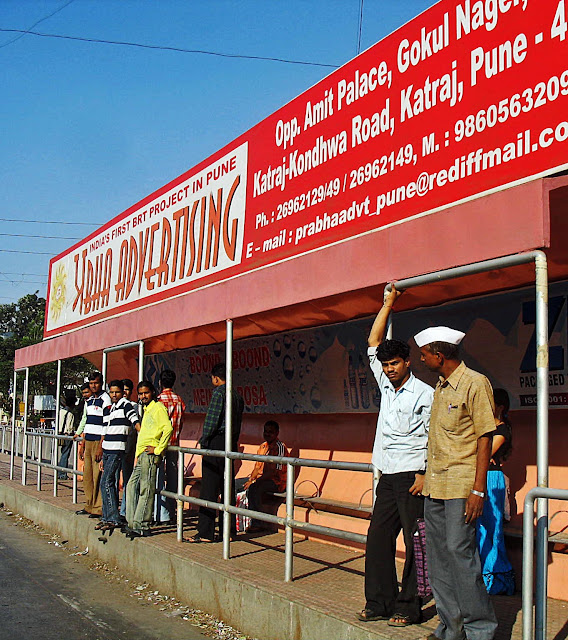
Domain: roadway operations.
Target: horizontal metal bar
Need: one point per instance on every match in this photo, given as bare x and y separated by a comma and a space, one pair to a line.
295, 462
266, 517
467, 270
48, 465
53, 436
120, 347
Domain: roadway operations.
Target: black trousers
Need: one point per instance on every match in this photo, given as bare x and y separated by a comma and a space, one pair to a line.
212, 475
395, 509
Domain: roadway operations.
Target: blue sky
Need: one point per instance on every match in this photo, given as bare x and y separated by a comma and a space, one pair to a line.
89, 129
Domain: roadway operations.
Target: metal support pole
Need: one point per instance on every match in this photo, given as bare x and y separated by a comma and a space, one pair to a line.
104, 367
39, 452
180, 492
13, 434
228, 480
140, 360
541, 443
289, 544
228, 440
57, 425
75, 465
25, 443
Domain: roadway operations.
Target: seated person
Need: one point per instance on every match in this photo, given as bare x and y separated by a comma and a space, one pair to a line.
266, 477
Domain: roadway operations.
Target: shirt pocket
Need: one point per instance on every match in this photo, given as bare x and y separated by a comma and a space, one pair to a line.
402, 420
452, 418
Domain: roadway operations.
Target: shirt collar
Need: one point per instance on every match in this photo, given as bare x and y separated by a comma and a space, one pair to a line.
454, 378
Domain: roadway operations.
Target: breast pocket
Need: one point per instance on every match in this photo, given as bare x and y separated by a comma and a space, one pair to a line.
402, 420
451, 420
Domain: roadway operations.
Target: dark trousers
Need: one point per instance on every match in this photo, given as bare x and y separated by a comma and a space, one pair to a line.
212, 474
395, 509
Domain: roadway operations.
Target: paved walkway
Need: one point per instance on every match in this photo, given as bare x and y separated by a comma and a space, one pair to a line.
327, 577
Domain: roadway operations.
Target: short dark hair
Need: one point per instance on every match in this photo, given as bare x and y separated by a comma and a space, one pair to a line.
96, 375
117, 383
70, 397
148, 385
273, 424
390, 349
85, 385
218, 371
167, 378
448, 350
127, 382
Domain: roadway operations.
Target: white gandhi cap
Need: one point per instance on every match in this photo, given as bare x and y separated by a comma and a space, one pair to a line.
438, 334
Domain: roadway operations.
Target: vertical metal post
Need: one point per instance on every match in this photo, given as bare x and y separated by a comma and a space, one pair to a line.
13, 434
179, 502
140, 360
39, 452
228, 440
57, 425
104, 367
25, 443
289, 540
75, 465
528, 571
542, 443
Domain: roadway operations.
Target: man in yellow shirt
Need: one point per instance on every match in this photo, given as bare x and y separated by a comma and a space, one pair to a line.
153, 438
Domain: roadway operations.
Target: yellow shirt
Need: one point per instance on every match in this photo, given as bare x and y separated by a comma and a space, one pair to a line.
156, 429
462, 411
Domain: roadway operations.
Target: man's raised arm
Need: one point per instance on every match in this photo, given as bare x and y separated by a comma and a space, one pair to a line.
378, 330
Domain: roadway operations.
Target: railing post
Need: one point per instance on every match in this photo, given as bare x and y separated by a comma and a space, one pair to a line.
228, 479
75, 465
13, 434
541, 443
25, 429
179, 520
39, 452
289, 540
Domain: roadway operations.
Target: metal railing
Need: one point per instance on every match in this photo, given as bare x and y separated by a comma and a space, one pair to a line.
539, 623
6, 439
37, 458
288, 522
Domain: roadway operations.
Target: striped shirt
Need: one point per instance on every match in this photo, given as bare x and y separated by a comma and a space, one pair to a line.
176, 408
95, 406
119, 419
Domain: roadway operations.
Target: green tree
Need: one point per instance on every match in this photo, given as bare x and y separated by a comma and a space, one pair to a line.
21, 325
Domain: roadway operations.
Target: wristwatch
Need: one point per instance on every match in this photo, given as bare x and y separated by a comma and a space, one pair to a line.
481, 494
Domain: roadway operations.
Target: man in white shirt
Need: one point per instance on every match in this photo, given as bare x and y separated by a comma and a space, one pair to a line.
399, 453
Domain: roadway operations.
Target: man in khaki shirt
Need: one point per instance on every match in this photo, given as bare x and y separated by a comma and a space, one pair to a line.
459, 448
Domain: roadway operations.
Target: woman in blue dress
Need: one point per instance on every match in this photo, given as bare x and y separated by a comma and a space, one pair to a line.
497, 571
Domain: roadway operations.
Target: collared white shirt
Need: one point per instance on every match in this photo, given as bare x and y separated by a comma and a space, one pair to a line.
401, 440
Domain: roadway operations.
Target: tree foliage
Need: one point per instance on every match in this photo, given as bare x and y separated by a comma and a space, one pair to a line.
21, 325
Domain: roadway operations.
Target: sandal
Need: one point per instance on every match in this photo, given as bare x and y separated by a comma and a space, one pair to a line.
197, 539
399, 620
368, 615
100, 526
109, 526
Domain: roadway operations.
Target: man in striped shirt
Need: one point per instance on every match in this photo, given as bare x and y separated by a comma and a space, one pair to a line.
89, 448
167, 473
119, 419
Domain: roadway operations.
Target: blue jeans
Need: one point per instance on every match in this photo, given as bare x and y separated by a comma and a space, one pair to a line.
112, 462
64, 459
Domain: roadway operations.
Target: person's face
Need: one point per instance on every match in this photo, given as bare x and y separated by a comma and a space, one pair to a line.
86, 393
96, 386
127, 392
115, 394
217, 382
270, 433
397, 370
432, 361
145, 395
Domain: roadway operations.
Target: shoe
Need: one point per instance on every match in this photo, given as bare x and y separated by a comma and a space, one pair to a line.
197, 539
109, 526
95, 515
135, 533
400, 620
81, 512
368, 615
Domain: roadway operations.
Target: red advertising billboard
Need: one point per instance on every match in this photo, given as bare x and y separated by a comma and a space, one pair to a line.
468, 98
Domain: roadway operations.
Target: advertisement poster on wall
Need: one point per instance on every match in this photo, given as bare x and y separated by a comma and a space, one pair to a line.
325, 369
